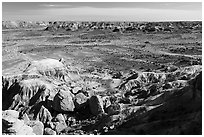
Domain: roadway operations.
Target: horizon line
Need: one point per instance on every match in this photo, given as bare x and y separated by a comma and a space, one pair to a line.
105, 21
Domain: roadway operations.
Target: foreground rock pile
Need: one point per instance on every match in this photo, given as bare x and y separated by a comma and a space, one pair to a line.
12, 124
51, 98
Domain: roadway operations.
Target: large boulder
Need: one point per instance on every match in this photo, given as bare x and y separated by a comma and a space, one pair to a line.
63, 101
96, 105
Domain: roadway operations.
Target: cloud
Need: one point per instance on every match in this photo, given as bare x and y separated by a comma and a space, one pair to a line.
55, 5
103, 11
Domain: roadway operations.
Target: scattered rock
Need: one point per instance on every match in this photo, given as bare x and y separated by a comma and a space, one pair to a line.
115, 83
75, 90
49, 131
37, 127
72, 121
59, 118
106, 102
59, 126
25, 118
59, 123
80, 100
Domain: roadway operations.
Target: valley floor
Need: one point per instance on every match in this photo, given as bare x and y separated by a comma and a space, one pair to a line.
101, 82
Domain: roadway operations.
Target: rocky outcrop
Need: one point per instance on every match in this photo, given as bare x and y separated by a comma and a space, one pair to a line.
42, 114
154, 82
47, 67
176, 111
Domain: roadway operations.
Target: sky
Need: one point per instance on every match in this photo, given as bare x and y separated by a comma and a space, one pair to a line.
102, 11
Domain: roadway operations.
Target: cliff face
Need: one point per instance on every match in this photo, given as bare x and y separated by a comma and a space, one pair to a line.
159, 102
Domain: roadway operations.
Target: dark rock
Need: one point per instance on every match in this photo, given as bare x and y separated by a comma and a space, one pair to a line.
125, 100
116, 29
153, 89
117, 75
113, 109
42, 114
96, 105
75, 90
167, 86
106, 102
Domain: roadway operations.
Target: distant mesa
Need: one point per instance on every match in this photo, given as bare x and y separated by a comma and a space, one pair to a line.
148, 27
